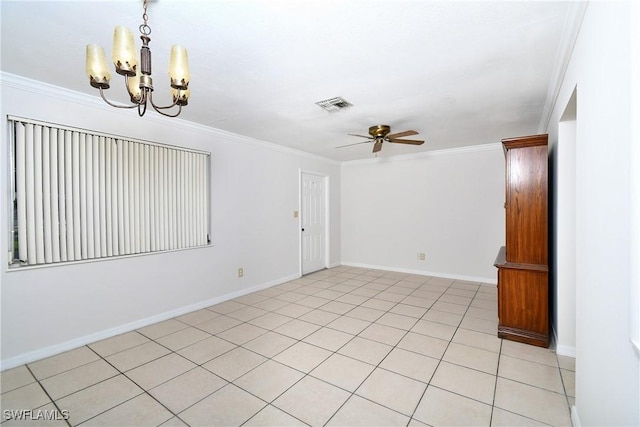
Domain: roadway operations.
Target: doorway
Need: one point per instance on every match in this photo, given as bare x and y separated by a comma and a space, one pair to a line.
313, 222
565, 263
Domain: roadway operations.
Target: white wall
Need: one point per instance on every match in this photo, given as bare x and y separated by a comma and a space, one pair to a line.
448, 204
607, 367
254, 191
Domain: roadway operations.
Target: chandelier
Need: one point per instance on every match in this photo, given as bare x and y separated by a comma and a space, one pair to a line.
137, 76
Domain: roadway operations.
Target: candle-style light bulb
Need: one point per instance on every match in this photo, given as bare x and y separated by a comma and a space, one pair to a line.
179, 68
134, 88
97, 68
124, 51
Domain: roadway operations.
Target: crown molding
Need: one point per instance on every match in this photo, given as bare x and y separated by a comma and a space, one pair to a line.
57, 92
427, 154
570, 31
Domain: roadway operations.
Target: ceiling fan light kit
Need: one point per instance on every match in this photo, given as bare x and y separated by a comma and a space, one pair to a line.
137, 74
380, 134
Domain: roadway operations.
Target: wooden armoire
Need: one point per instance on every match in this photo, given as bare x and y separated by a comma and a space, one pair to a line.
523, 267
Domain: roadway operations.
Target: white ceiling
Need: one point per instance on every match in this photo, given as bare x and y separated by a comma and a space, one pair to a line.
460, 73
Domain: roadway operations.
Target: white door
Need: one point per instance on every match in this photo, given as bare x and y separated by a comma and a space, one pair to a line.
312, 219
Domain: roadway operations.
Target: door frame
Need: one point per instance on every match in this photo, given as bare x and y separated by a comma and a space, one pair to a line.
564, 201
327, 220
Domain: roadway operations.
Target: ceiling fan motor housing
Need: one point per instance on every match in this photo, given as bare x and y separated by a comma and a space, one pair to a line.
379, 131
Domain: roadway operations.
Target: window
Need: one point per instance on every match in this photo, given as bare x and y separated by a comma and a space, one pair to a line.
80, 195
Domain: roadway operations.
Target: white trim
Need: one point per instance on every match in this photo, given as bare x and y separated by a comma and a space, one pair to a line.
575, 419
481, 280
16, 268
427, 154
561, 349
570, 30
41, 88
566, 350
32, 356
327, 220
636, 347
300, 172
634, 158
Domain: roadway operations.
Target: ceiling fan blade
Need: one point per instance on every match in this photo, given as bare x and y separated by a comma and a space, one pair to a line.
377, 147
401, 134
355, 143
407, 141
361, 136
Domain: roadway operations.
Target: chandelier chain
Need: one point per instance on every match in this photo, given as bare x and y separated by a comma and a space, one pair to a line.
145, 29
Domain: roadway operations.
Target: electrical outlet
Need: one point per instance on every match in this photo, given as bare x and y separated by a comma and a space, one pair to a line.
240, 272
421, 256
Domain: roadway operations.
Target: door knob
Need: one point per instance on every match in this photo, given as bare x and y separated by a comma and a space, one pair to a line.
303, 229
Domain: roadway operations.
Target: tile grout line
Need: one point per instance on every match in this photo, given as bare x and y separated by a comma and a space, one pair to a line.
441, 358
144, 390
344, 292
427, 384
351, 393
187, 325
395, 346
305, 374
495, 385
53, 402
336, 351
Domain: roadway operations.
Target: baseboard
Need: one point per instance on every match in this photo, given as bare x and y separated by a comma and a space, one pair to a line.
561, 349
481, 280
566, 350
33, 356
575, 420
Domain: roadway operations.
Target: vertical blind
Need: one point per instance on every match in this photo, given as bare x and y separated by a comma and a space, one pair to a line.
79, 195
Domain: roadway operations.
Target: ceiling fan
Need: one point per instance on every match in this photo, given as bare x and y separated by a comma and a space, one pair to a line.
380, 134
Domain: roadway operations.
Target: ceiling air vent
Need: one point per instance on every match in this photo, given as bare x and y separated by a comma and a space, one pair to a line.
334, 104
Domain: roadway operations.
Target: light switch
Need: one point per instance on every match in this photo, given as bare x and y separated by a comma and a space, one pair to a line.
295, 214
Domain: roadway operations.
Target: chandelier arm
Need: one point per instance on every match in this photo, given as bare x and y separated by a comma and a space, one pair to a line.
158, 109
115, 105
175, 102
142, 108
163, 108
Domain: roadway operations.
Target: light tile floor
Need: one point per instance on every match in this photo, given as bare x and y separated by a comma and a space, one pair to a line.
340, 347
